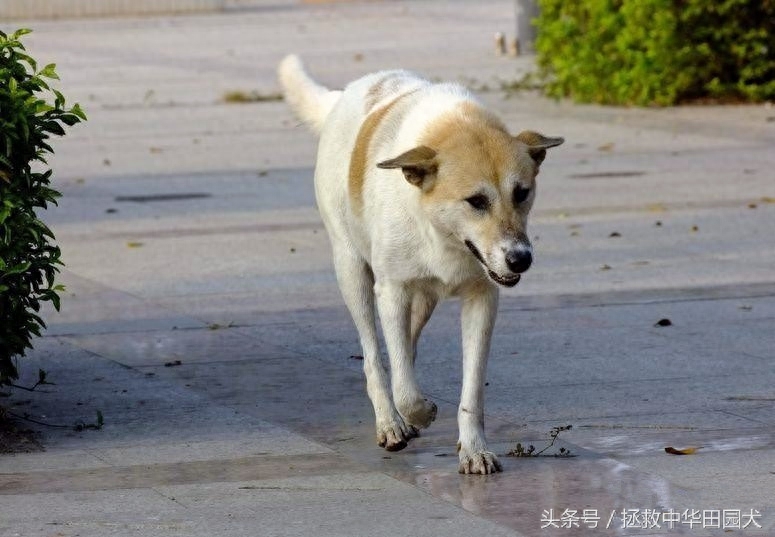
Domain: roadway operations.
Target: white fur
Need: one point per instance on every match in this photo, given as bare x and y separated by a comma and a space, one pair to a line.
311, 101
392, 257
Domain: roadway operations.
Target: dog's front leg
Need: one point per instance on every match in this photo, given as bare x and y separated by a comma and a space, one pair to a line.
479, 306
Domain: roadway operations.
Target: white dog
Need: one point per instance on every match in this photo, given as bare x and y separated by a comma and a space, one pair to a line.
425, 195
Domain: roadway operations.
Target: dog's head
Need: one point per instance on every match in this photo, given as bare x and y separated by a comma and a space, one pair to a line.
477, 186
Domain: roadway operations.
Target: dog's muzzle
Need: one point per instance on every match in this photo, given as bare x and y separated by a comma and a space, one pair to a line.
506, 281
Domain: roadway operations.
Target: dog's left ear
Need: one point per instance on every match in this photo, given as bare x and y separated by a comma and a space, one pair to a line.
537, 144
418, 165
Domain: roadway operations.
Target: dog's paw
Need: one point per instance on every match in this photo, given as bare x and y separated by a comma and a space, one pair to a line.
420, 414
395, 434
480, 462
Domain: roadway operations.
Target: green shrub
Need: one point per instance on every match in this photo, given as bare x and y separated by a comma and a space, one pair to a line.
28, 257
657, 52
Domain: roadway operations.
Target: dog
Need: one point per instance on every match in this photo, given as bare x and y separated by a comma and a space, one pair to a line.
424, 195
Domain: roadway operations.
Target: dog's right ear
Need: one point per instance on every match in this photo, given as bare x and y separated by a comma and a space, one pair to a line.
418, 165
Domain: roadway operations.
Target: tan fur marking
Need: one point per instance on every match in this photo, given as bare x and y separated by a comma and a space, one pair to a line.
478, 139
360, 155
529, 137
376, 93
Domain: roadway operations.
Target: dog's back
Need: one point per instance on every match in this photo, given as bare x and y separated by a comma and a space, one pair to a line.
373, 119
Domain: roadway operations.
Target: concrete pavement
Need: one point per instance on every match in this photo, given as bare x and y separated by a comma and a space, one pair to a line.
190, 234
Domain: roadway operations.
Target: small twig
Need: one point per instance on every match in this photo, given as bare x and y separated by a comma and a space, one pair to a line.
521, 451
79, 425
41, 381
555, 432
31, 420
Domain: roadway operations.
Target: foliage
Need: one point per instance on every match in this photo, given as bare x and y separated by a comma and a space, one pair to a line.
530, 451
28, 257
657, 52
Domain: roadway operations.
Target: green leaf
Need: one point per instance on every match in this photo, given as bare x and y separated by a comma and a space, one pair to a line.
70, 119
59, 100
42, 107
49, 71
18, 269
26, 58
76, 109
20, 32
53, 127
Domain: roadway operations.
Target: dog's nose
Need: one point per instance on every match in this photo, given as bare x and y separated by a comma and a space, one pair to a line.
519, 259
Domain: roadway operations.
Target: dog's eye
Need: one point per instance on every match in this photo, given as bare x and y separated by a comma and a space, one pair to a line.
520, 194
479, 202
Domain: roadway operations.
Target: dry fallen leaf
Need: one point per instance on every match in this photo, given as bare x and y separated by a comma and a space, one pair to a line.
134, 244
685, 451
767, 199
606, 147
656, 208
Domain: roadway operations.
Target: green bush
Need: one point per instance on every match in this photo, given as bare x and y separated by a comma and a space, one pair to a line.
28, 258
657, 52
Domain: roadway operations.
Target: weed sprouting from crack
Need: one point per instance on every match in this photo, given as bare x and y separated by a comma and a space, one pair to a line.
530, 451
527, 82
239, 96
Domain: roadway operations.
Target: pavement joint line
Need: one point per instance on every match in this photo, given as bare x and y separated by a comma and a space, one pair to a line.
748, 418
196, 232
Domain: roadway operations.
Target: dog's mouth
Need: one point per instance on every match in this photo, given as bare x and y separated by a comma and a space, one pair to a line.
506, 281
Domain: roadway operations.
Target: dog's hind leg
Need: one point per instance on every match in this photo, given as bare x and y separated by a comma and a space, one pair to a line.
395, 310
356, 282
423, 305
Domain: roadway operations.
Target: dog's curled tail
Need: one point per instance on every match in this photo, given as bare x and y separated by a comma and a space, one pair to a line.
309, 100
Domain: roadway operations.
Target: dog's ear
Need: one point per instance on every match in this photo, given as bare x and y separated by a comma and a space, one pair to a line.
537, 144
418, 165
